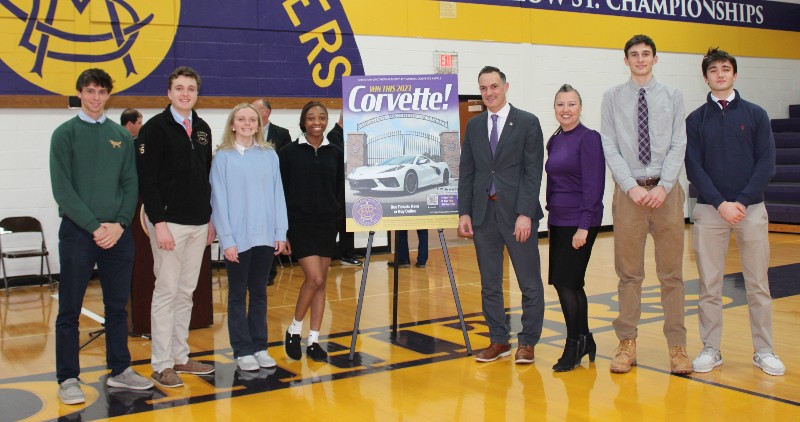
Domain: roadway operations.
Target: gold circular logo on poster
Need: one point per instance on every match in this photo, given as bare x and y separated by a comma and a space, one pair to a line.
50, 42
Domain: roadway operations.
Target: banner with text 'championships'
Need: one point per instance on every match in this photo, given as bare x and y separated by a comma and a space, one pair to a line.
402, 149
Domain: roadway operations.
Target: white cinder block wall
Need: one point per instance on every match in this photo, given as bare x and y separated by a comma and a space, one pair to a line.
534, 72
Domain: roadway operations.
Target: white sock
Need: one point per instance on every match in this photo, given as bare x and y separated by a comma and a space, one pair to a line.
296, 327
313, 337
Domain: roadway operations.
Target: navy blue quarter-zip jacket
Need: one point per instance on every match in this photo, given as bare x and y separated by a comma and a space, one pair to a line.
730, 154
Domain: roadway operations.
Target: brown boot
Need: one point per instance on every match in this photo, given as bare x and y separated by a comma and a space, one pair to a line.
679, 362
624, 356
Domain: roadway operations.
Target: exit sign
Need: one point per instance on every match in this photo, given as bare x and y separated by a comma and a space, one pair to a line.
445, 62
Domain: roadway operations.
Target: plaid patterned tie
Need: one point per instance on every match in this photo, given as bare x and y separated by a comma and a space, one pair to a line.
644, 130
188, 127
493, 138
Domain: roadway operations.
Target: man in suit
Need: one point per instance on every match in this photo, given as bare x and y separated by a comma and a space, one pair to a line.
501, 173
274, 134
131, 119
278, 137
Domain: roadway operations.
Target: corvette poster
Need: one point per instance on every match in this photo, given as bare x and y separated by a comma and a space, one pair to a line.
402, 150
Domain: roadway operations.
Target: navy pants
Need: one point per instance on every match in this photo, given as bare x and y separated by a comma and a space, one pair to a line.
247, 323
401, 254
78, 254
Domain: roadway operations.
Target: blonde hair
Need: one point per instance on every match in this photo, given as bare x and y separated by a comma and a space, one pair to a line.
568, 88
229, 136
564, 88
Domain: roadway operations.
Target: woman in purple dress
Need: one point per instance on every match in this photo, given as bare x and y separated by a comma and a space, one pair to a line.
575, 182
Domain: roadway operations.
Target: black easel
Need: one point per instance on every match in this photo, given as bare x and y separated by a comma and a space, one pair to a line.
94, 335
395, 294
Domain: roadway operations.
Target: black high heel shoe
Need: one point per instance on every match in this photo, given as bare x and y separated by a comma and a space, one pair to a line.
569, 358
586, 346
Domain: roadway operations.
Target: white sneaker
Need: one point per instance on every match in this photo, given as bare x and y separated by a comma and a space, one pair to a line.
707, 360
769, 363
265, 360
70, 392
247, 363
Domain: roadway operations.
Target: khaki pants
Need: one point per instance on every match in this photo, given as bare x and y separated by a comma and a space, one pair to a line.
711, 237
665, 224
176, 278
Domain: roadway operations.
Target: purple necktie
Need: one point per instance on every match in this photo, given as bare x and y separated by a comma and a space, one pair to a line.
493, 135
723, 103
493, 145
644, 130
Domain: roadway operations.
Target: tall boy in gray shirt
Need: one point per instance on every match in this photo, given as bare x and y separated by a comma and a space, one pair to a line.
644, 140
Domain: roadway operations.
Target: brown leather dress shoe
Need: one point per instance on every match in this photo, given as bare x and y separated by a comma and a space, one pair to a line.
167, 378
194, 367
524, 354
624, 356
493, 352
679, 362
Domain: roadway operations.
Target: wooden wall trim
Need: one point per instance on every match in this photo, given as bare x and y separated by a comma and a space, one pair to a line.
133, 101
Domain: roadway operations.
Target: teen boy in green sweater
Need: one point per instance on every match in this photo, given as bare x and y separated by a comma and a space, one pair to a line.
93, 176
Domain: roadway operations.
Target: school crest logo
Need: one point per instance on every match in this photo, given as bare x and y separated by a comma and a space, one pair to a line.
49, 42
367, 212
202, 138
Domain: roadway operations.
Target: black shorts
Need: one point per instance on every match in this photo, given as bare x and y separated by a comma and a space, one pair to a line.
310, 240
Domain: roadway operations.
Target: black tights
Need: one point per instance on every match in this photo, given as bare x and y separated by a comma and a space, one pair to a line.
575, 308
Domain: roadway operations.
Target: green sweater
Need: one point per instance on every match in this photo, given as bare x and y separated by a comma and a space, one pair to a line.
93, 173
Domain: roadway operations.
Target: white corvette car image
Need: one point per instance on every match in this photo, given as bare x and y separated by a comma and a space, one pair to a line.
404, 173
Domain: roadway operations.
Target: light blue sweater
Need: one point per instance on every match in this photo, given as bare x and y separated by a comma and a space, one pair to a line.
248, 206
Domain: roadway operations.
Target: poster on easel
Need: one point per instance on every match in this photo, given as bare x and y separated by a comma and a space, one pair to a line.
402, 151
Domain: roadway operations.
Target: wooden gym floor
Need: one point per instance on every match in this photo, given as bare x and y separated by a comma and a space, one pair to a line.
424, 373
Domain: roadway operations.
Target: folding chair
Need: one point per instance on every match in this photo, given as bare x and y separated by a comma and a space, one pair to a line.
13, 226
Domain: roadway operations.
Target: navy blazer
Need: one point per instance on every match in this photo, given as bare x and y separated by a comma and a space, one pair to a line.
516, 168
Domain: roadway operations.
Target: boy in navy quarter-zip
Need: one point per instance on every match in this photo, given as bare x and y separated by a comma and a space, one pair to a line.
730, 158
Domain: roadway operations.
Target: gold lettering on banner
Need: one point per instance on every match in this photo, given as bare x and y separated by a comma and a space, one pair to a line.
318, 35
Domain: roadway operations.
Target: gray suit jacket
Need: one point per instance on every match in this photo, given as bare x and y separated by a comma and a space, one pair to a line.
516, 168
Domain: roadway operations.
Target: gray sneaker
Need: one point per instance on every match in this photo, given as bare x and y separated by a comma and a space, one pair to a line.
70, 392
129, 379
769, 363
265, 360
247, 363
